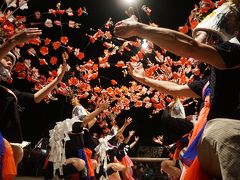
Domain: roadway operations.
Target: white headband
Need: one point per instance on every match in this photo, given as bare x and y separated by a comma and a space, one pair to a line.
223, 21
13, 57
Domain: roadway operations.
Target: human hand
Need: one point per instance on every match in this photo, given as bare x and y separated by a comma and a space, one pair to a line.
61, 71
131, 133
136, 138
158, 140
126, 28
27, 34
137, 71
104, 105
112, 117
128, 121
129, 12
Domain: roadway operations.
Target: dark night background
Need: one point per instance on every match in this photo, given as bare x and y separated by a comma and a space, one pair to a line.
38, 119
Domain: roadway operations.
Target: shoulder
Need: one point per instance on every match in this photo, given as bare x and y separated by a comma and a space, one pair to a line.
230, 53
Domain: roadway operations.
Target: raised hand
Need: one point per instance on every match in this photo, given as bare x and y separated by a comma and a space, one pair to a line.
158, 140
104, 105
128, 121
126, 28
27, 34
131, 133
136, 70
129, 12
136, 138
61, 71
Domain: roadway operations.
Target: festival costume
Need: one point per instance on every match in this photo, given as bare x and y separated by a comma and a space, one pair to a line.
66, 141
85, 152
126, 161
102, 153
59, 135
10, 101
7, 164
174, 128
89, 146
10, 125
222, 103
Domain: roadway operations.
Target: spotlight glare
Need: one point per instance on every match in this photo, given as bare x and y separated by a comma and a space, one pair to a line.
144, 44
129, 2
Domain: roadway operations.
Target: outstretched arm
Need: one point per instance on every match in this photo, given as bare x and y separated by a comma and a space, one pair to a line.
95, 113
20, 37
173, 41
131, 133
171, 88
42, 93
134, 142
126, 123
92, 122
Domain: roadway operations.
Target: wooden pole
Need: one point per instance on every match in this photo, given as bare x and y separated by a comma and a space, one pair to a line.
146, 159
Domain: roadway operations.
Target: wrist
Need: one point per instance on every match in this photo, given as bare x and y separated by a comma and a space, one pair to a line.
13, 40
141, 80
125, 125
59, 79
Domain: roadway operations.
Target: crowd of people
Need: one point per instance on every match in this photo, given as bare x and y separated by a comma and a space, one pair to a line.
208, 148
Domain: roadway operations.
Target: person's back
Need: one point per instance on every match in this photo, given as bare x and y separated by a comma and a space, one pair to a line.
225, 97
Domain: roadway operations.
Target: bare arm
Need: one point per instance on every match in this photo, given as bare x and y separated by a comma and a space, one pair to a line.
42, 93
171, 88
20, 37
95, 113
134, 142
92, 122
131, 133
126, 123
173, 41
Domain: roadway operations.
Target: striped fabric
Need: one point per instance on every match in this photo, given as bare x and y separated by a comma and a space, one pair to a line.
219, 149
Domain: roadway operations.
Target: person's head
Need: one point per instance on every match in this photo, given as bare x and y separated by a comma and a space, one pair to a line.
75, 101
113, 122
95, 135
8, 61
221, 25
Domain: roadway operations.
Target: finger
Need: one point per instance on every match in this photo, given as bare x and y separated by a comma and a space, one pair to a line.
32, 28
64, 63
140, 65
130, 11
118, 23
34, 31
34, 34
130, 67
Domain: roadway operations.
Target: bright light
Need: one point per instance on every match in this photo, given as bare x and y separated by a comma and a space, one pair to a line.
129, 2
144, 44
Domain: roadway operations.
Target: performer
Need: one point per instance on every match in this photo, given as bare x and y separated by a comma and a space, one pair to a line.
122, 155
66, 142
220, 50
10, 98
